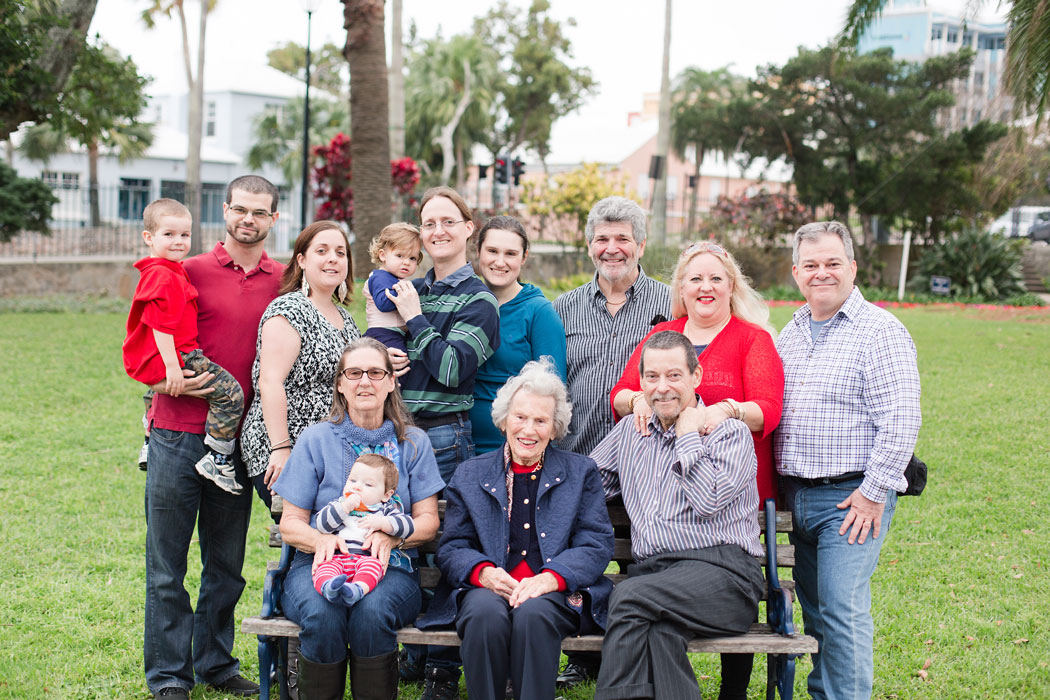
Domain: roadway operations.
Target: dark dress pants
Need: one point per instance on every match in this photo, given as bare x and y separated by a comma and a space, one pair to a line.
667, 600
522, 642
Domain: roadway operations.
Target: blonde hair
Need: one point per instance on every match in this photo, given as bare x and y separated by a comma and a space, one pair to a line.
162, 207
395, 236
744, 302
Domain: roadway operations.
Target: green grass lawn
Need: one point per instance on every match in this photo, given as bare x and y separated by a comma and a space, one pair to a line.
961, 586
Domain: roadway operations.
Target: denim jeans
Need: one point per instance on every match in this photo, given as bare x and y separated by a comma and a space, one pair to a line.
453, 445
182, 645
833, 584
369, 628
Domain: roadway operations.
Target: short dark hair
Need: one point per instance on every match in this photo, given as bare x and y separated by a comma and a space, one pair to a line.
667, 340
253, 184
390, 475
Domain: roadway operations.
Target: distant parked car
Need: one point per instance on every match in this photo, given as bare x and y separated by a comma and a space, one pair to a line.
1040, 231
1018, 220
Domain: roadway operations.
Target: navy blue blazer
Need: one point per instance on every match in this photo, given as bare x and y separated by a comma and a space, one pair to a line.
572, 526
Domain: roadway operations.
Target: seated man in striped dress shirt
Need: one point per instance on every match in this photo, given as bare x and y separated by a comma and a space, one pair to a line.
692, 500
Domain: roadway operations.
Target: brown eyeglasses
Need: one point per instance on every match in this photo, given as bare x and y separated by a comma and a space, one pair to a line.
355, 373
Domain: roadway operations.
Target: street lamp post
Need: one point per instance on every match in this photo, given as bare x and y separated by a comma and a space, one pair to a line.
309, 6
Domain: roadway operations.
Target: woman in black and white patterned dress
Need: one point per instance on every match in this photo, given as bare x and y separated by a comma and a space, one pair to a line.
301, 337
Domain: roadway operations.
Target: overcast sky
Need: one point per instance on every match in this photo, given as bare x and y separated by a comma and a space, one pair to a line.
619, 40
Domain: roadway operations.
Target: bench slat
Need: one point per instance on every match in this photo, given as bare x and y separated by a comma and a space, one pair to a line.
759, 639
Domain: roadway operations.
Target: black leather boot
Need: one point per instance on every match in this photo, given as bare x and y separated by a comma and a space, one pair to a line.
321, 681
373, 677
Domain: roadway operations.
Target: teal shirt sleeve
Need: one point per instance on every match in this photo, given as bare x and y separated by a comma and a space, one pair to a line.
547, 337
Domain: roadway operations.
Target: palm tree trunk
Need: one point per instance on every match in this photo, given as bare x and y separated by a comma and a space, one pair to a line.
397, 85
663, 136
195, 126
369, 133
96, 214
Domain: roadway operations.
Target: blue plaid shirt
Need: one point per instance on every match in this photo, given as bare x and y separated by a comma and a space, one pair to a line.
851, 398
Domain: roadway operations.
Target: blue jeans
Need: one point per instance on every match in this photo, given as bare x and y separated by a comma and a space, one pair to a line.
369, 628
453, 444
180, 644
833, 583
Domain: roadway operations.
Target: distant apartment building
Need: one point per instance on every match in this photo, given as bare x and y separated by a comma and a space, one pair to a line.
916, 31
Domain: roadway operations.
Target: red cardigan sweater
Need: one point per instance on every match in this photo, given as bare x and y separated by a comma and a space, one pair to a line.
741, 363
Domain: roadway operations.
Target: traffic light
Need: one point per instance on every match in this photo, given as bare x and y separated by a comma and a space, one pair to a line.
501, 170
483, 172
519, 168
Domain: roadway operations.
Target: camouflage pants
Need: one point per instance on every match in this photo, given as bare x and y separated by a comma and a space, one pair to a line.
225, 404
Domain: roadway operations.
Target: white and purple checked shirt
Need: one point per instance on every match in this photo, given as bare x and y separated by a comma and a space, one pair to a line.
683, 492
851, 400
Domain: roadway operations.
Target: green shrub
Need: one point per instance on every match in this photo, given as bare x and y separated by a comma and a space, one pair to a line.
985, 267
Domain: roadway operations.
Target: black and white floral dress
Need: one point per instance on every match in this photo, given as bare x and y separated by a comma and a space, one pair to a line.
308, 387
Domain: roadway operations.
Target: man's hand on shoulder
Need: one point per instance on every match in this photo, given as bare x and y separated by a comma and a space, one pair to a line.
863, 516
689, 421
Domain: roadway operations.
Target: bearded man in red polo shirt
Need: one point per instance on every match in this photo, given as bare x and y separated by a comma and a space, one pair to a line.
236, 281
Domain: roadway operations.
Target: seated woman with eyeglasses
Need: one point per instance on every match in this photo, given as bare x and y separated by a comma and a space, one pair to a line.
367, 416
301, 335
727, 321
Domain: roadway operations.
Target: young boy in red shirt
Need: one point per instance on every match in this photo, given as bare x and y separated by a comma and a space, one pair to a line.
162, 337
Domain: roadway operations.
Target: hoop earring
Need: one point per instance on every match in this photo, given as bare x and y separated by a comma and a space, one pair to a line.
342, 291
305, 286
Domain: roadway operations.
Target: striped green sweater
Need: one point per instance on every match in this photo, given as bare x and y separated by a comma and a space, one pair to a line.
457, 332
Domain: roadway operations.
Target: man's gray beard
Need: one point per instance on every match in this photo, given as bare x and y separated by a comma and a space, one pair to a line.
247, 240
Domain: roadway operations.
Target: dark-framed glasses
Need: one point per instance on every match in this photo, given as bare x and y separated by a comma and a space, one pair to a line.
446, 224
241, 212
355, 373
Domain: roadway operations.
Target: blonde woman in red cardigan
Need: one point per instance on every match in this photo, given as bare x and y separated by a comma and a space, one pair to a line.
715, 307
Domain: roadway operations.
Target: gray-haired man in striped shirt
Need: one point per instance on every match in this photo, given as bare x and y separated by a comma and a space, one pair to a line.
691, 499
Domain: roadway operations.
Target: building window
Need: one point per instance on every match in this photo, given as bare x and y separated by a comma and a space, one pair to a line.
213, 195
132, 198
173, 189
936, 32
209, 120
953, 35
967, 38
976, 116
978, 78
61, 181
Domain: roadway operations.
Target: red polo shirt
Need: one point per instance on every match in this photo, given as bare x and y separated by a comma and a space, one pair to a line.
165, 301
229, 307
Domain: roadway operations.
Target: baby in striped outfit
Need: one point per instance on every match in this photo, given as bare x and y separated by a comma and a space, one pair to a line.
368, 504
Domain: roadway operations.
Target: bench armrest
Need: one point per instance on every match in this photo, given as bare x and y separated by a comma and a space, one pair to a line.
274, 584
778, 601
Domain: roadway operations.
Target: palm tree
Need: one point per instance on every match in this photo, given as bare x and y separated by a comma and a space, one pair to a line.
1027, 75
369, 117
279, 134
700, 120
663, 136
453, 87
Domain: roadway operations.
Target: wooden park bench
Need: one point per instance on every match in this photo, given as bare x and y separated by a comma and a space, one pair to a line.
776, 638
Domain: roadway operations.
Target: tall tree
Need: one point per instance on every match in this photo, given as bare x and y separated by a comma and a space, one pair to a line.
453, 84
1027, 75
663, 136
99, 107
841, 120
279, 133
700, 120
195, 84
397, 83
326, 65
539, 85
370, 136
39, 45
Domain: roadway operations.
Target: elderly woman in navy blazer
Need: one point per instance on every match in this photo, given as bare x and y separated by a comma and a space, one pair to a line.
526, 542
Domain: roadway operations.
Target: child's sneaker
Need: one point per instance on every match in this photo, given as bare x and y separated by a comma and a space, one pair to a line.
218, 467
144, 453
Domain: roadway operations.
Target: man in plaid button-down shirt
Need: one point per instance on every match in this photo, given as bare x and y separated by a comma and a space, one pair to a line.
849, 424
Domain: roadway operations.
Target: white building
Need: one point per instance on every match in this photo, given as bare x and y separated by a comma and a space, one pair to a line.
916, 31
233, 99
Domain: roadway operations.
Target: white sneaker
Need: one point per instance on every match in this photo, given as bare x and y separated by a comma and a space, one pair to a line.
218, 468
144, 454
